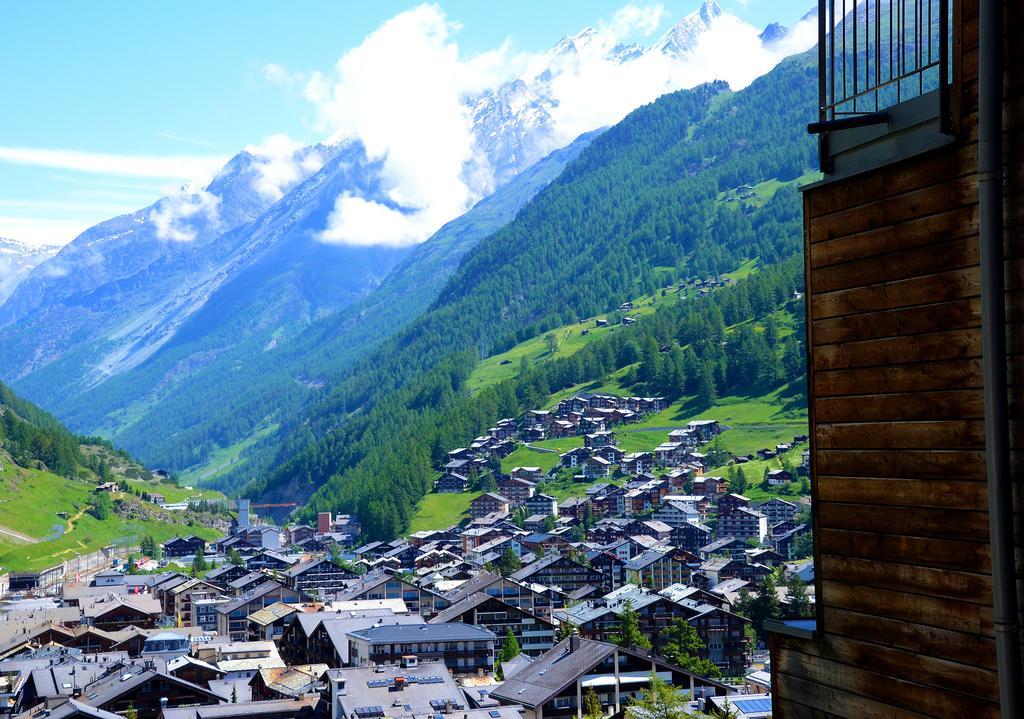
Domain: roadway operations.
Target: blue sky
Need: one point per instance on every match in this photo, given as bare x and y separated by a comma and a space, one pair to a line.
167, 89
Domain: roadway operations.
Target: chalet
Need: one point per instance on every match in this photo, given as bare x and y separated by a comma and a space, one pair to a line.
610, 453
709, 486
650, 527
184, 546
596, 467
777, 510
680, 479
551, 686
451, 483
462, 453
299, 533
112, 612
535, 635
322, 576
778, 476
562, 573
463, 648
784, 543
140, 688
538, 417
674, 512
686, 437
765, 453
268, 624
233, 616
727, 546
246, 583
669, 454
599, 439
610, 565
529, 474
574, 508
574, 457
269, 559
516, 490
743, 523
690, 536
728, 502
224, 574
705, 429
637, 463
541, 504
384, 585
658, 568
488, 503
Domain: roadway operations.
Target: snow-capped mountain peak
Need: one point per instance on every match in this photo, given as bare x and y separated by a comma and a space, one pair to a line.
17, 259
681, 39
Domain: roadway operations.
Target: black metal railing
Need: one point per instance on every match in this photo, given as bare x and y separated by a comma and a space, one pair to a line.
874, 54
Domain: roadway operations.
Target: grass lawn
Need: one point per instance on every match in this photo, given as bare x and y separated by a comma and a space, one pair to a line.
30, 500
571, 339
437, 511
90, 534
526, 457
222, 459
29, 504
175, 493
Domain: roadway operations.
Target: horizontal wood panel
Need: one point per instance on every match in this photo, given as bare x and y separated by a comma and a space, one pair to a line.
901, 464
940, 287
903, 321
863, 669
892, 209
964, 403
923, 377
850, 705
932, 641
922, 349
893, 180
920, 609
930, 259
941, 434
928, 581
917, 522
946, 225
926, 551
964, 495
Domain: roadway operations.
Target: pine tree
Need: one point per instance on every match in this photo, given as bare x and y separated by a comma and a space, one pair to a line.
683, 646
629, 634
510, 649
102, 506
235, 558
198, 563
592, 708
796, 595
509, 563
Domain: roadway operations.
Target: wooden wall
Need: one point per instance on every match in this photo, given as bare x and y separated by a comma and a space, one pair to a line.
901, 525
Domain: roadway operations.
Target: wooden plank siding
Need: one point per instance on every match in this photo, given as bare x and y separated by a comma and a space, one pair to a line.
900, 521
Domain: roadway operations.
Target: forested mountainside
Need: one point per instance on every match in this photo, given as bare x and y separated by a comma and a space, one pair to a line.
233, 372
642, 206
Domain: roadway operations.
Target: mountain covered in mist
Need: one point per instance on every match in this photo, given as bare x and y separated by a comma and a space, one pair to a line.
216, 315
17, 260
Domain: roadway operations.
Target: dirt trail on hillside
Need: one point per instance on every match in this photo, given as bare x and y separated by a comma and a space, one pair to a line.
17, 536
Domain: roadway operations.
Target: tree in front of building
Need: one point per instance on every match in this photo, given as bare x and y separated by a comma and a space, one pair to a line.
796, 596
199, 563
592, 708
683, 647
660, 700
629, 634
508, 563
235, 558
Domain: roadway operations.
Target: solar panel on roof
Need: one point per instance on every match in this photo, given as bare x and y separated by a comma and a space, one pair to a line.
751, 705
494, 713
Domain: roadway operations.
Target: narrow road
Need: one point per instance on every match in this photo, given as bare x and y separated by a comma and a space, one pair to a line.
17, 536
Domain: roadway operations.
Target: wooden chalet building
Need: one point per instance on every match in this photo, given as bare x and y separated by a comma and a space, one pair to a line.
320, 575
534, 634
913, 247
184, 546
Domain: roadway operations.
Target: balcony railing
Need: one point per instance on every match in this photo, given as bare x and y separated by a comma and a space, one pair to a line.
876, 54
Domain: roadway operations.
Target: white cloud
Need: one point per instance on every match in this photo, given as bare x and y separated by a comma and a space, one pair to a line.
401, 93
645, 19
281, 166
171, 212
184, 167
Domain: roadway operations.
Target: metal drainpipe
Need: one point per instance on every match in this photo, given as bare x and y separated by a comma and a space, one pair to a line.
993, 340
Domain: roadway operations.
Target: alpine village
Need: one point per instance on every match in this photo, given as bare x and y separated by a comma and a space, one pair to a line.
712, 411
